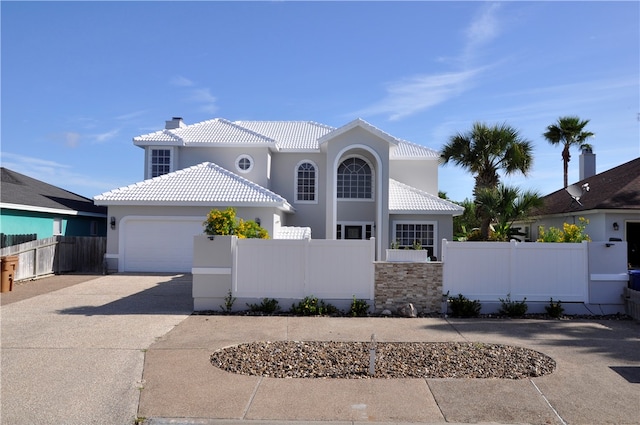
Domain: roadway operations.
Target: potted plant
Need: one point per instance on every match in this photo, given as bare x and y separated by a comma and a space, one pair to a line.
415, 254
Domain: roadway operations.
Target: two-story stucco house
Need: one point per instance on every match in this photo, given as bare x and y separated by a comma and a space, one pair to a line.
293, 177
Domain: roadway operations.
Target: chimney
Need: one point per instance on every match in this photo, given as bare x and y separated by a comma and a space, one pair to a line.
175, 122
587, 164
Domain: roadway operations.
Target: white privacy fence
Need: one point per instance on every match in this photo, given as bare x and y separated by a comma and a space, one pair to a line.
589, 273
488, 271
327, 269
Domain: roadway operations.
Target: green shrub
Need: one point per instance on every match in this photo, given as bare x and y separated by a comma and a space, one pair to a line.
570, 232
554, 309
267, 306
359, 308
311, 306
513, 308
229, 300
461, 306
225, 223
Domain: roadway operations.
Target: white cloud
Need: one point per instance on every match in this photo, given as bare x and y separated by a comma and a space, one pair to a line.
71, 139
415, 94
408, 96
194, 94
181, 81
483, 29
12, 159
52, 172
103, 137
131, 115
204, 97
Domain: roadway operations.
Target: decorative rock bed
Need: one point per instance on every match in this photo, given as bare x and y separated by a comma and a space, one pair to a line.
350, 360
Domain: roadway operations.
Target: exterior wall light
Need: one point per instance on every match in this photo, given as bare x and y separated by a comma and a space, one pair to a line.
113, 222
615, 226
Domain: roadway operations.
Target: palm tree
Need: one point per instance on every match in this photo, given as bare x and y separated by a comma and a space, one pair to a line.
568, 131
504, 205
485, 151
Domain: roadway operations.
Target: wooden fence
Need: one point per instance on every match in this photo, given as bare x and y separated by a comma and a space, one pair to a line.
58, 255
9, 240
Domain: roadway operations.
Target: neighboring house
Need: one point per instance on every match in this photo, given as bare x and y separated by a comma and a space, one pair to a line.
611, 204
30, 206
294, 177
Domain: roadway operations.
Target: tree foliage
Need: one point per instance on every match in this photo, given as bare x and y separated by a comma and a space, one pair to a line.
224, 222
504, 205
569, 132
485, 151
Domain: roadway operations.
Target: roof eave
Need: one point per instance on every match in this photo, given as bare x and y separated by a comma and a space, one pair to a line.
137, 203
33, 208
358, 122
428, 212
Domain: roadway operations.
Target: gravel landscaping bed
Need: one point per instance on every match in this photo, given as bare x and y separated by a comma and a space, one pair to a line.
316, 359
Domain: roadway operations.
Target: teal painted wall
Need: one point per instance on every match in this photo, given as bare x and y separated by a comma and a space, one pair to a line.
15, 222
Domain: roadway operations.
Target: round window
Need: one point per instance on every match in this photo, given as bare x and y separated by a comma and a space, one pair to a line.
244, 163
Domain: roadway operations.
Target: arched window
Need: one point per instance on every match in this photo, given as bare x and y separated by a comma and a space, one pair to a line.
306, 175
354, 179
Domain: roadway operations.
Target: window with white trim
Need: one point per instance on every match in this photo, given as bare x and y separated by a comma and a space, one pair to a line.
57, 226
244, 163
407, 234
354, 179
306, 182
160, 162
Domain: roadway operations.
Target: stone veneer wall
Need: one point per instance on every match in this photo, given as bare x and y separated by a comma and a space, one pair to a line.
401, 283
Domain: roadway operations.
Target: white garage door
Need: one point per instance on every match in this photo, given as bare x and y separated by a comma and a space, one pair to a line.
153, 244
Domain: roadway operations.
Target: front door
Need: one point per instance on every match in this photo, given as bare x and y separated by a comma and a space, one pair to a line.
633, 244
357, 230
353, 232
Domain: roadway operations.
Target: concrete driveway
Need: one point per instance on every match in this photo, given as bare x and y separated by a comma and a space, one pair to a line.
108, 349
75, 355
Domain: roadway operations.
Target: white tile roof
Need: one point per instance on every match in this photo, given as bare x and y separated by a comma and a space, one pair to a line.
206, 183
280, 135
291, 232
213, 132
290, 135
406, 199
410, 150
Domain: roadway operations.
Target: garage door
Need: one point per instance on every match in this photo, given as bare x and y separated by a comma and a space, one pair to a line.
152, 244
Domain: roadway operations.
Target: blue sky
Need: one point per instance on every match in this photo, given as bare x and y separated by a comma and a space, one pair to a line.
81, 79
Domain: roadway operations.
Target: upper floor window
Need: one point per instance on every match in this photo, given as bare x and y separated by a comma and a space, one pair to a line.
354, 179
160, 162
306, 186
244, 163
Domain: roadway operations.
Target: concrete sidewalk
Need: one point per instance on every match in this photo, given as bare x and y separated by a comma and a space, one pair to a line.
597, 380
115, 348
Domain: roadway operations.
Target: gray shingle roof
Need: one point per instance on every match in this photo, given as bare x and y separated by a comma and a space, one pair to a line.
24, 192
407, 199
203, 184
617, 188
